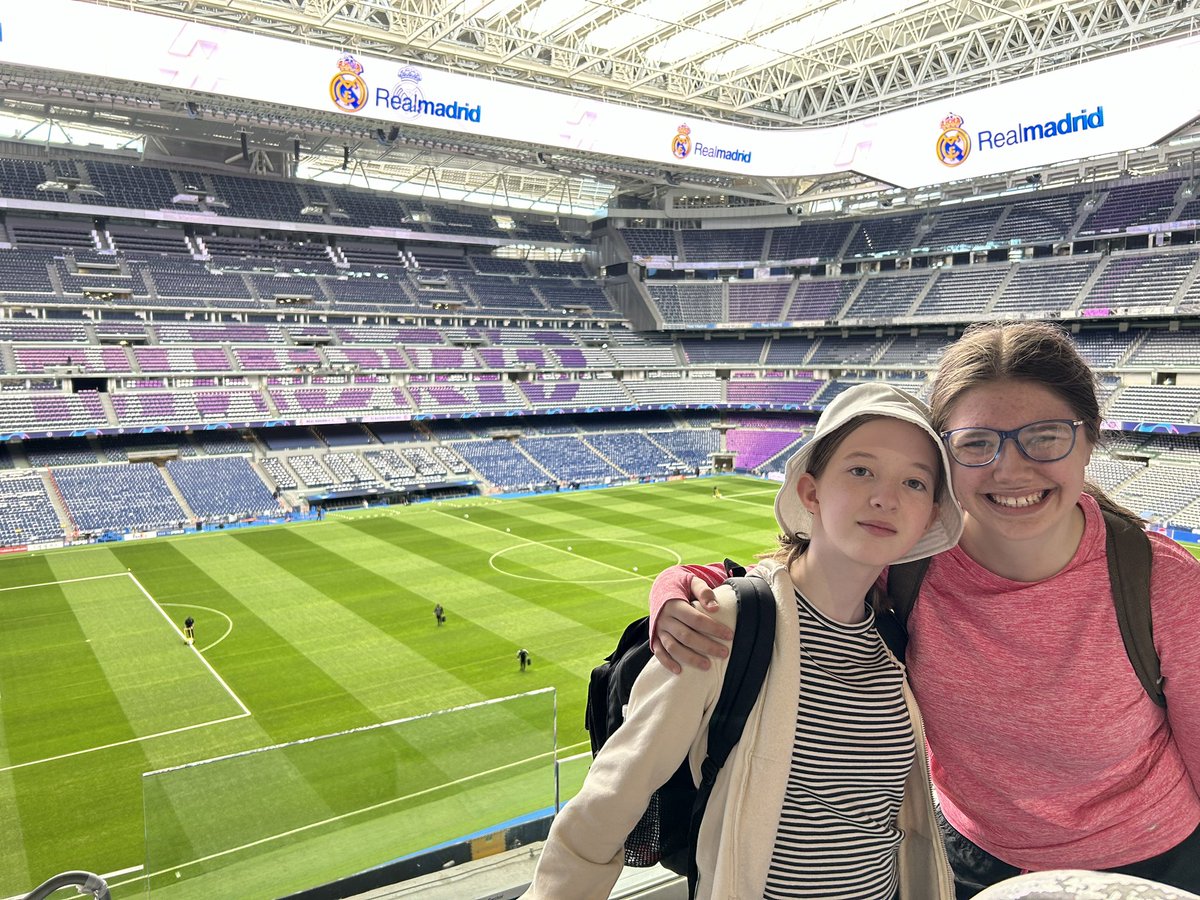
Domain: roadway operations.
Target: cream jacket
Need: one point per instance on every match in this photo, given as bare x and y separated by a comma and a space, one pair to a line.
667, 721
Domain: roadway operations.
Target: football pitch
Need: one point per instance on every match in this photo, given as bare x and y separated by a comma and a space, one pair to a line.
312, 629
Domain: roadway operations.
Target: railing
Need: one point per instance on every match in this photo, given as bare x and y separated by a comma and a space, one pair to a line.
84, 882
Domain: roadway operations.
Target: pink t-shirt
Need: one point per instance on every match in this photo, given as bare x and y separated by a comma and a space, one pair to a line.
1044, 747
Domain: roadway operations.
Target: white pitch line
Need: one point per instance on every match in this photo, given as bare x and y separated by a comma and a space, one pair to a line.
572, 747
529, 541
194, 649
118, 874
566, 759
107, 876
756, 504
144, 737
221, 681
21, 587
225, 616
538, 756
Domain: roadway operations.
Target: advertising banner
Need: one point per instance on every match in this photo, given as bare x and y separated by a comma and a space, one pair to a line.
1093, 108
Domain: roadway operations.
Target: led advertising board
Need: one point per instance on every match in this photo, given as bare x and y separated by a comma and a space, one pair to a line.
1086, 110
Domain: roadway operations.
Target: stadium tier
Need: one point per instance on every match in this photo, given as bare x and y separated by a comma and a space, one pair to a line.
311, 350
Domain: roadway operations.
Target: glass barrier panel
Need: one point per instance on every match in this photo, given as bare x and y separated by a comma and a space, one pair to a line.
273, 821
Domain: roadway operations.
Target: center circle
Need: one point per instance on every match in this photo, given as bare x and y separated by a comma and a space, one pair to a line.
573, 551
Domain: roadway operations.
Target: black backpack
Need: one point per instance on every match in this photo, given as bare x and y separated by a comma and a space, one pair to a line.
1129, 558
670, 827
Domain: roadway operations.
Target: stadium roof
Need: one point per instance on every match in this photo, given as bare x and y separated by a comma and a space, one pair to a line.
756, 62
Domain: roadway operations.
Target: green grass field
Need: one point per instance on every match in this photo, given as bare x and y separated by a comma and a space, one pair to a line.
311, 629
307, 630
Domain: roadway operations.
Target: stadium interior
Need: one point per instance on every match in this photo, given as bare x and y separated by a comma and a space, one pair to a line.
216, 312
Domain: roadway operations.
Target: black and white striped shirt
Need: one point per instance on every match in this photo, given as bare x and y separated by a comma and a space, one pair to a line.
853, 749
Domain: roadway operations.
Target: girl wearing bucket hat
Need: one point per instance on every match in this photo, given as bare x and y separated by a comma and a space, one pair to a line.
827, 794
1046, 751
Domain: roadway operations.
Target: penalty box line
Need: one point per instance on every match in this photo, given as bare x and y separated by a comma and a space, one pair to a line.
136, 740
221, 681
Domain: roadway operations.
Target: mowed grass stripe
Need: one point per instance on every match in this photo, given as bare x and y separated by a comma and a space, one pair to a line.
144, 659
340, 597
53, 680
57, 699
688, 522
547, 599
416, 666
213, 808
339, 613
190, 821
672, 525
570, 541
483, 632
284, 690
21, 570
14, 864
457, 573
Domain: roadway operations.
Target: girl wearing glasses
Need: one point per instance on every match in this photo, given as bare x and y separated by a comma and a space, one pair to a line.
1046, 752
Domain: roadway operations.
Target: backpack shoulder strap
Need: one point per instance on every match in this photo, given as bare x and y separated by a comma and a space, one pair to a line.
903, 587
749, 659
1129, 553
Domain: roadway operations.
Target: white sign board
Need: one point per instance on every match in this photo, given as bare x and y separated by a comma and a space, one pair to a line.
1093, 108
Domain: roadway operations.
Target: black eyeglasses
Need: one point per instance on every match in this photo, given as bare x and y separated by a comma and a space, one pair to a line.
1047, 441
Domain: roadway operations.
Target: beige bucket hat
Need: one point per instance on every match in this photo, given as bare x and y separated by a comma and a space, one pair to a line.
875, 399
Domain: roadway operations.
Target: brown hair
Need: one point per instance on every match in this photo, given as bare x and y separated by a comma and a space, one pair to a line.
1037, 352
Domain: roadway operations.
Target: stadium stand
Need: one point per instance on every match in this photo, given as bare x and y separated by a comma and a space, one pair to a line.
569, 459
279, 473
820, 300
754, 446
223, 487
884, 297
129, 497
27, 514
196, 338
638, 455
694, 447
503, 464
309, 470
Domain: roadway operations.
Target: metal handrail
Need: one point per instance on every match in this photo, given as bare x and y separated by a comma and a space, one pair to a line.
86, 883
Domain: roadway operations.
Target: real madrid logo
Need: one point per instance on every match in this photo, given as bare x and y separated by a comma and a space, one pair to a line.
681, 144
408, 89
953, 144
347, 89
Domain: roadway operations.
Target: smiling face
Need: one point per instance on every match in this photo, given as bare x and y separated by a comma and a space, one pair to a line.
1015, 499
874, 498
